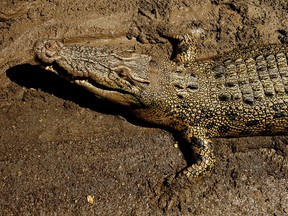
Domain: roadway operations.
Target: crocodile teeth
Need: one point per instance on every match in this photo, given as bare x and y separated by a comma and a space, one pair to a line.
50, 68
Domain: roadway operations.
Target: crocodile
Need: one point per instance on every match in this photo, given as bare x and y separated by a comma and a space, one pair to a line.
240, 93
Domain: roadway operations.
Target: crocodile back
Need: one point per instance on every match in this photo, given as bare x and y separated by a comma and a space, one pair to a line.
242, 93
251, 75
251, 88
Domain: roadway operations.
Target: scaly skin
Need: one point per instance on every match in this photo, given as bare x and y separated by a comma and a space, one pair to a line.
241, 93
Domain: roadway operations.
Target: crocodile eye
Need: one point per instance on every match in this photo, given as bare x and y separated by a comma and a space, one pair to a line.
123, 71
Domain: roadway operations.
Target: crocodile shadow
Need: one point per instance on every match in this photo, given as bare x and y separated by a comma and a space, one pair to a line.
32, 76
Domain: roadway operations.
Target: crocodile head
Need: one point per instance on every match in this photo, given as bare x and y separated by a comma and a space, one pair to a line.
119, 77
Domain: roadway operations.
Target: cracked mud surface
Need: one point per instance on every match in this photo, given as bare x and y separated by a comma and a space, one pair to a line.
59, 144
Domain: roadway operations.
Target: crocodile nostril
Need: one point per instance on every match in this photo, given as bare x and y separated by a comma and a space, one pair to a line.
51, 45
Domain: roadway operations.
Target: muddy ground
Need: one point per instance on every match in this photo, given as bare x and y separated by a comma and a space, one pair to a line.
59, 145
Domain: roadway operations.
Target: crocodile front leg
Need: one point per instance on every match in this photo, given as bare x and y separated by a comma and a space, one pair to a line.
203, 150
186, 50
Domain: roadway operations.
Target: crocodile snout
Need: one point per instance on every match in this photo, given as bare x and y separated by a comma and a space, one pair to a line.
47, 50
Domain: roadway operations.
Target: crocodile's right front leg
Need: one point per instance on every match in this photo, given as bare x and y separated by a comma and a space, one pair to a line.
203, 150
